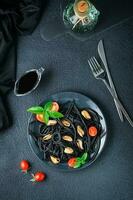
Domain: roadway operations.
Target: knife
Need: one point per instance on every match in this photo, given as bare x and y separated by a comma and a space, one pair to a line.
102, 55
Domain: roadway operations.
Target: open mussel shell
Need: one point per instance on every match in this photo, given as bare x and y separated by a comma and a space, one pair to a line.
47, 137
55, 160
94, 115
68, 150
80, 131
79, 143
66, 123
67, 138
52, 122
86, 114
67, 135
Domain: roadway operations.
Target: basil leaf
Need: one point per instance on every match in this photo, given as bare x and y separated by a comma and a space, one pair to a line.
79, 159
78, 164
55, 115
46, 117
35, 110
48, 106
83, 162
84, 156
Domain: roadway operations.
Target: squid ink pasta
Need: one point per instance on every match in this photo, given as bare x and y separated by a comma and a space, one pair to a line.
73, 139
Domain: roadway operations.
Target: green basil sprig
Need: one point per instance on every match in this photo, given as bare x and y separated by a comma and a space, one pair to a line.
46, 111
81, 160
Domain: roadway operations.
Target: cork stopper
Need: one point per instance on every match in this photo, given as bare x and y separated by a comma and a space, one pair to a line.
82, 6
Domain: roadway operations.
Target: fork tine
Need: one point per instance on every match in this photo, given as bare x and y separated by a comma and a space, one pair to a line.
96, 65
93, 65
101, 70
97, 62
89, 62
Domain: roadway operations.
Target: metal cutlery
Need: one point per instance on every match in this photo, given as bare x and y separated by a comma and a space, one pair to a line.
102, 55
99, 73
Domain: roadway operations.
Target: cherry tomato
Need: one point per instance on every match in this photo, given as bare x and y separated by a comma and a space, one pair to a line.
92, 131
71, 162
39, 118
55, 106
24, 165
39, 177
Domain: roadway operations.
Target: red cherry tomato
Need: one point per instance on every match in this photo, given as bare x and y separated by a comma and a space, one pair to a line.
39, 117
92, 131
71, 162
39, 176
55, 106
24, 165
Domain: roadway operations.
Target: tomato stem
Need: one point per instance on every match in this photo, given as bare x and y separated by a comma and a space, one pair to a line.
32, 180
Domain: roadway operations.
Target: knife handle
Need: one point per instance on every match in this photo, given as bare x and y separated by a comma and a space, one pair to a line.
119, 103
102, 55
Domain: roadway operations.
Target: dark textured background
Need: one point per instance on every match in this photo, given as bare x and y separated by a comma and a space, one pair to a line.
111, 176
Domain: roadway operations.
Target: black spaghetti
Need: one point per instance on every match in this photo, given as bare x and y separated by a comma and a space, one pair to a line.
70, 137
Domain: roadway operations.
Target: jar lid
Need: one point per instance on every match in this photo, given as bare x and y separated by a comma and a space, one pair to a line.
81, 8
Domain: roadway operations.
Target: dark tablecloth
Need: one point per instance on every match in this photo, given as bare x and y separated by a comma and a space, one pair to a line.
111, 176
16, 18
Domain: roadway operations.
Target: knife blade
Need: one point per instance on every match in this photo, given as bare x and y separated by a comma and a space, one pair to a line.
102, 56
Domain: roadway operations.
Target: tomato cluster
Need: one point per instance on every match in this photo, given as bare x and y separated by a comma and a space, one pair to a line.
37, 177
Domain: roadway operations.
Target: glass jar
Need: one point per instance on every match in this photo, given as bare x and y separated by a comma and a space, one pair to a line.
80, 16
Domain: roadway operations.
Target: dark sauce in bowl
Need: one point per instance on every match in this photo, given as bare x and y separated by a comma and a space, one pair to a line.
27, 82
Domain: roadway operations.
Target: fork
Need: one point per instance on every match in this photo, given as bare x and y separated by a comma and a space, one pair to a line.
99, 73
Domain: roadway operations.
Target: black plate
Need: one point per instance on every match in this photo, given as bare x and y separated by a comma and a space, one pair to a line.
81, 101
